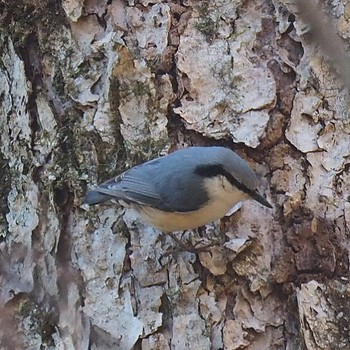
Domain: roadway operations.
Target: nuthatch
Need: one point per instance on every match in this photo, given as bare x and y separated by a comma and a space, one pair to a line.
186, 189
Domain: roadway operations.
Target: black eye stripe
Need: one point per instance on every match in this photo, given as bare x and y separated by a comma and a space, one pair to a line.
213, 170
210, 170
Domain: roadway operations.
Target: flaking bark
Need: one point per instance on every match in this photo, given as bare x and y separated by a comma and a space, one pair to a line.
90, 88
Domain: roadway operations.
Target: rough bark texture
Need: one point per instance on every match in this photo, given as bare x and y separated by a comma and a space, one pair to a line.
89, 88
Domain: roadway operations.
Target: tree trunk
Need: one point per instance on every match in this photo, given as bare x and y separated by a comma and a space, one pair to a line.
91, 88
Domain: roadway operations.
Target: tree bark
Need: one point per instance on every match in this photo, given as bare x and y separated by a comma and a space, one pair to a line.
90, 88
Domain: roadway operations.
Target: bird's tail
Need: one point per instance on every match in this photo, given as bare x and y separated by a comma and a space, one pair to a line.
95, 197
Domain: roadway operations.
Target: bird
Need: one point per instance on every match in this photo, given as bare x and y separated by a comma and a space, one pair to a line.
183, 190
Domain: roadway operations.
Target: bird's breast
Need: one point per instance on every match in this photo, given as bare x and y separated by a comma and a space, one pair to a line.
222, 197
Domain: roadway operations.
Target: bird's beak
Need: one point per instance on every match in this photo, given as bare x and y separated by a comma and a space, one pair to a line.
259, 198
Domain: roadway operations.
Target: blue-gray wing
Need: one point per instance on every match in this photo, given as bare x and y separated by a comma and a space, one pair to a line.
146, 185
126, 187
